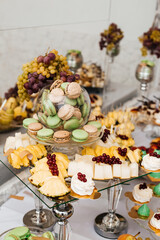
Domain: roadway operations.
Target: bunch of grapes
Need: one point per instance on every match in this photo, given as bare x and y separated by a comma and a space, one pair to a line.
39, 72
151, 42
110, 37
12, 92
69, 78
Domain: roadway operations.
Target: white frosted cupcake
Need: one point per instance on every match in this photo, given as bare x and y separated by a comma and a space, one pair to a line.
155, 220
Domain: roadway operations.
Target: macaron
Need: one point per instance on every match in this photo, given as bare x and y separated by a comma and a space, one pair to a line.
96, 124
42, 118
61, 136
84, 110
91, 117
79, 135
71, 124
77, 113
91, 130
34, 127
64, 85
56, 95
12, 237
48, 235
66, 112
70, 101
73, 90
45, 94
54, 121
21, 232
45, 133
80, 99
49, 107
27, 121
56, 84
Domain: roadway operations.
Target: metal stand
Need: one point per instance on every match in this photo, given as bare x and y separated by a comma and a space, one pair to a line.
62, 228
111, 225
39, 217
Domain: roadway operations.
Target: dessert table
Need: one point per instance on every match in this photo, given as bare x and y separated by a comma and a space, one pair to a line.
85, 211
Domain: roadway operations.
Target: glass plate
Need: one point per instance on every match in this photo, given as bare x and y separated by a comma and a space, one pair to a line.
48, 201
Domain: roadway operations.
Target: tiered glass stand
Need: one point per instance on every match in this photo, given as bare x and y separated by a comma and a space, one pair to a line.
109, 225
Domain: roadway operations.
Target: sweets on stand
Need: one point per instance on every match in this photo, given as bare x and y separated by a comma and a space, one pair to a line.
155, 221
144, 211
156, 190
151, 161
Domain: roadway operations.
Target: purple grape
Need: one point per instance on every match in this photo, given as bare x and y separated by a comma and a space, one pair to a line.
29, 75
63, 79
32, 80
52, 75
30, 84
46, 60
51, 56
71, 78
41, 77
30, 91
35, 87
63, 74
77, 77
40, 84
35, 74
26, 85
40, 59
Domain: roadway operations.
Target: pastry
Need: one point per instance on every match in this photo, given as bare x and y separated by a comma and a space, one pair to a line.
71, 124
27, 121
142, 193
91, 130
77, 113
96, 124
66, 112
73, 90
56, 95
34, 127
61, 136
79, 135
96, 100
49, 108
42, 118
151, 161
155, 221
53, 121
156, 190
144, 211
45, 133
82, 184
72, 102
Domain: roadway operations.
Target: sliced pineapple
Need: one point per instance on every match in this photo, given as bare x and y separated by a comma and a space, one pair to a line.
37, 151
63, 158
54, 187
43, 160
39, 177
138, 155
34, 156
39, 167
43, 149
15, 160
131, 156
61, 168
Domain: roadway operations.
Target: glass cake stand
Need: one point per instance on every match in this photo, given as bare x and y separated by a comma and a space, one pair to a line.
108, 225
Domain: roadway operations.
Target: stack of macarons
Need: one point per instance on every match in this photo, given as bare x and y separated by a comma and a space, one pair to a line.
63, 115
20, 233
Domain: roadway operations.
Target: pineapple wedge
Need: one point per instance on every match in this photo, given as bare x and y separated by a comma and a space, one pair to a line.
54, 187
39, 177
62, 158
138, 155
15, 160
39, 167
131, 156
43, 149
61, 168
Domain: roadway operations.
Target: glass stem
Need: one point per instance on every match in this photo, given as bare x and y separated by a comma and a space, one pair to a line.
39, 208
63, 232
111, 221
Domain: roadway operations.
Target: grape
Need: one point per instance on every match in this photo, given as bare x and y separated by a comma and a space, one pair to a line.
63, 79
26, 85
32, 80
35, 74
29, 75
40, 59
41, 77
71, 78
30, 91
51, 56
46, 60
40, 84
63, 74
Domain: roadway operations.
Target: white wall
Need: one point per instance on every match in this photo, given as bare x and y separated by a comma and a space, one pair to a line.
29, 27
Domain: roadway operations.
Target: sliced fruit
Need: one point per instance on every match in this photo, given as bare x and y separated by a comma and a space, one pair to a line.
39, 177
43, 149
131, 156
63, 158
39, 167
61, 168
137, 155
54, 187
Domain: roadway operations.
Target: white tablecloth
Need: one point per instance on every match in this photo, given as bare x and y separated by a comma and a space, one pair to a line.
85, 211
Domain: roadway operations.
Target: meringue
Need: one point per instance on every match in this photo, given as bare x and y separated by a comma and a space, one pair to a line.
155, 222
142, 195
151, 163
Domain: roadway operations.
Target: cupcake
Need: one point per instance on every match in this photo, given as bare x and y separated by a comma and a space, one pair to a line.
142, 193
155, 221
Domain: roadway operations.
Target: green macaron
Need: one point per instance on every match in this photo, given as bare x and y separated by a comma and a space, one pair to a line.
80, 99
27, 121
45, 94
12, 237
53, 121
32, 235
45, 133
21, 232
49, 107
96, 124
71, 124
48, 235
84, 110
79, 135
42, 118
72, 102
64, 85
